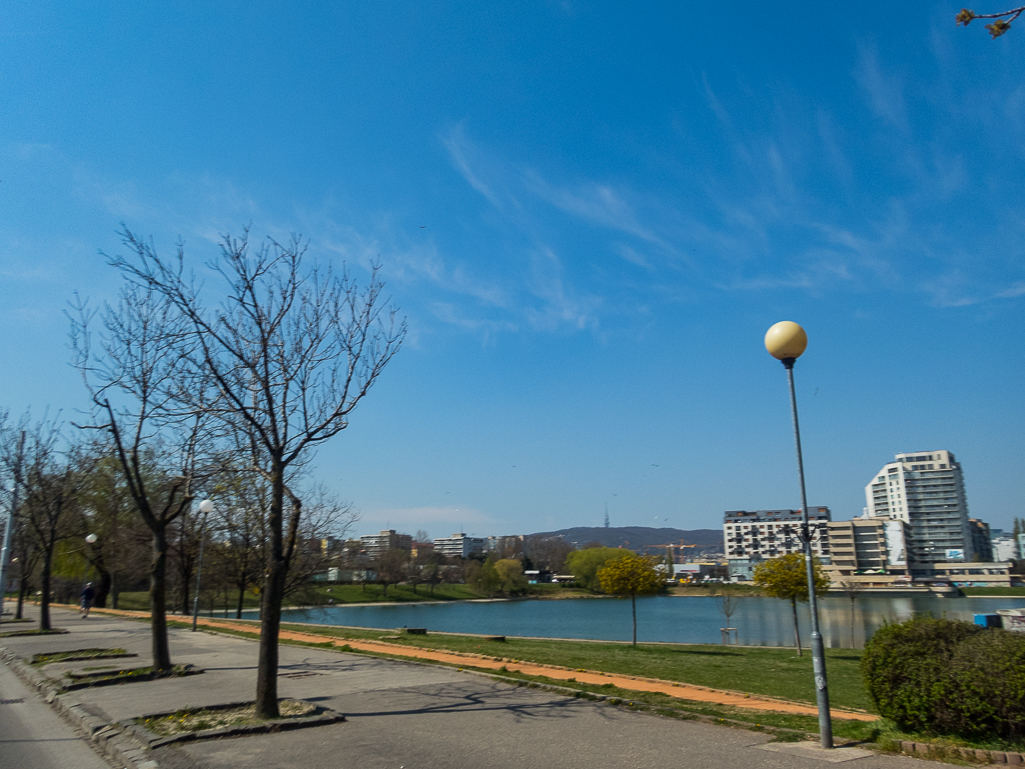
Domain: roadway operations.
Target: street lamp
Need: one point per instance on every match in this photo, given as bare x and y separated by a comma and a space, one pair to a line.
204, 507
786, 341
5, 548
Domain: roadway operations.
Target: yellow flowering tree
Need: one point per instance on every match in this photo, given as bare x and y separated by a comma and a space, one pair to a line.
630, 575
786, 577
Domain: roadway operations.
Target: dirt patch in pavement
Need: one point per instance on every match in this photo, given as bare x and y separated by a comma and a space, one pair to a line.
481, 661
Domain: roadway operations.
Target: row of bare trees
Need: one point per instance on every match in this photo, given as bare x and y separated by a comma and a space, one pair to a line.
221, 391
74, 522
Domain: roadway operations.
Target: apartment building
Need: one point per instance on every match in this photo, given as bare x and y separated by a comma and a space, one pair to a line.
750, 537
460, 546
376, 545
926, 491
867, 545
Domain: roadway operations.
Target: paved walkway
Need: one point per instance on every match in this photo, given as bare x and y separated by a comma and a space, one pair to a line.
404, 714
33, 736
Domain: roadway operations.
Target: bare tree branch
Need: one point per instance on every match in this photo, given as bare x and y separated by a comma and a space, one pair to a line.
998, 27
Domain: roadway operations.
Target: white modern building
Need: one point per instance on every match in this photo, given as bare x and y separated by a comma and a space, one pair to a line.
377, 545
459, 545
925, 490
1004, 546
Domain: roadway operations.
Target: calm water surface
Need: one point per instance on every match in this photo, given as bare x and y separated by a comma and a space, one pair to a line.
684, 619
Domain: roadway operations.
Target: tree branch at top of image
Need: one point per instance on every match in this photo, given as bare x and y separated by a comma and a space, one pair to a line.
998, 27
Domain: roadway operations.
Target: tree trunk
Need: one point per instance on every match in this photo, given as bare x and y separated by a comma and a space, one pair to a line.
853, 599
44, 584
22, 592
158, 601
633, 609
185, 570
103, 590
797, 634
270, 603
241, 599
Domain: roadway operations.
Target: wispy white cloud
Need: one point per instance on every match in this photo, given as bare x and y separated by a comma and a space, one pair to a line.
1011, 292
884, 91
559, 305
465, 157
713, 102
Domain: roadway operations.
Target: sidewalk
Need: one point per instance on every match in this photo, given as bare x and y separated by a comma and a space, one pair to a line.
400, 714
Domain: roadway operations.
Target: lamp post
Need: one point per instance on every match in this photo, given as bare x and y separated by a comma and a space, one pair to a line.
204, 507
5, 549
91, 539
786, 341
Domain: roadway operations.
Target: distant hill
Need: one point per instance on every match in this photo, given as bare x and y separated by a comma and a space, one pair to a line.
636, 537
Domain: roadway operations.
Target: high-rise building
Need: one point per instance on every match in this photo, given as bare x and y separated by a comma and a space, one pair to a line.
925, 489
982, 539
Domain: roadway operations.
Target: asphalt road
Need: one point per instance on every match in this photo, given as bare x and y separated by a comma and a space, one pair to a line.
33, 736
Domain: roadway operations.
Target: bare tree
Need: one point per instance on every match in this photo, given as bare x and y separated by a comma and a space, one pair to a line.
391, 567
53, 480
547, 552
728, 602
134, 385
852, 590
107, 513
291, 349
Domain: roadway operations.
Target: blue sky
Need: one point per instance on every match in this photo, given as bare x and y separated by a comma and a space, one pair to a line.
589, 213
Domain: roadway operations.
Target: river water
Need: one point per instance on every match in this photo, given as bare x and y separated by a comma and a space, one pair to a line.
681, 619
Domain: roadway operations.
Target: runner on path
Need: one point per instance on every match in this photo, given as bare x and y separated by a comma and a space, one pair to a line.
88, 594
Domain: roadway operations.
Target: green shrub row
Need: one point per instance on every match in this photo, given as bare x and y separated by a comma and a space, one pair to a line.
942, 677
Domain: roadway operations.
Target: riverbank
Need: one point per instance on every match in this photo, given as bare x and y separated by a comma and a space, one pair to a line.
356, 594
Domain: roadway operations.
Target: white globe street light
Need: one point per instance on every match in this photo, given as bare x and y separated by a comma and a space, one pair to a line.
786, 341
91, 539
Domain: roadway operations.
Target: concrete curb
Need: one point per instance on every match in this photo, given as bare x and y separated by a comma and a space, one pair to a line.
975, 755
322, 717
108, 740
130, 744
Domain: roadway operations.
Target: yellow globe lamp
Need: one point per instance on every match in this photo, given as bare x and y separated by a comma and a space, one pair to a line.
786, 340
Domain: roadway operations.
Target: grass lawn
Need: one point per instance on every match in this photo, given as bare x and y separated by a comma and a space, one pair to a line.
994, 591
666, 705
758, 670
739, 590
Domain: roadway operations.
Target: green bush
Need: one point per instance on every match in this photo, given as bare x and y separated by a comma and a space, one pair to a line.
948, 678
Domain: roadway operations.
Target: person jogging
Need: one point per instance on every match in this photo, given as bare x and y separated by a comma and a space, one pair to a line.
88, 594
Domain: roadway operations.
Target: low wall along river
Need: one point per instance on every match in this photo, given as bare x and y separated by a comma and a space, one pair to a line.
678, 619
